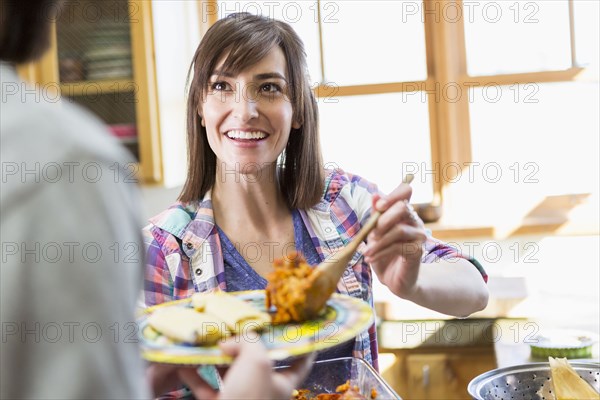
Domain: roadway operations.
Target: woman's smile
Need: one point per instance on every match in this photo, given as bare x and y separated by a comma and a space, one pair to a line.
247, 138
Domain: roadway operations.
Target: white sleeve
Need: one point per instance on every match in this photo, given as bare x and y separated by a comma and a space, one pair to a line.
71, 271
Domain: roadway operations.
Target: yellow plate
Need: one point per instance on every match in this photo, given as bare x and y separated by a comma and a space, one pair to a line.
344, 318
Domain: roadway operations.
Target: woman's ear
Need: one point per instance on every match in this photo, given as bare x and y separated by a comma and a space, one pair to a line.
296, 125
201, 118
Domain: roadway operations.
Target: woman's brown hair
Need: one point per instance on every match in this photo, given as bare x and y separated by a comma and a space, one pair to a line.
246, 39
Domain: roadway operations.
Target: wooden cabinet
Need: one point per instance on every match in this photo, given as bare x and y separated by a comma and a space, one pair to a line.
102, 58
436, 359
442, 373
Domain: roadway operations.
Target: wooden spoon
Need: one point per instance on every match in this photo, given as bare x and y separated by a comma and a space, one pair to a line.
324, 278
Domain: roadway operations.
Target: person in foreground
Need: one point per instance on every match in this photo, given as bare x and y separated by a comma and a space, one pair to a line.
256, 189
67, 305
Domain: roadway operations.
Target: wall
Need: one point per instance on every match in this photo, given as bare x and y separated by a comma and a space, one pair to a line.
552, 279
176, 36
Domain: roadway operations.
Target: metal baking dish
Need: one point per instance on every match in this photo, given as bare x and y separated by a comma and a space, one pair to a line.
527, 382
326, 375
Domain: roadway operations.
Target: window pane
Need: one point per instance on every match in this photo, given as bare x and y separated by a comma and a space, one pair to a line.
517, 36
533, 141
301, 15
379, 137
372, 42
587, 33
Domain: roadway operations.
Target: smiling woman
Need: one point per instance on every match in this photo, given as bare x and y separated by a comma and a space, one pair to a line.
272, 59
257, 191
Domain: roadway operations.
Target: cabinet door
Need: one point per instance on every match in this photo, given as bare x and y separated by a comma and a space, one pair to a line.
101, 58
444, 376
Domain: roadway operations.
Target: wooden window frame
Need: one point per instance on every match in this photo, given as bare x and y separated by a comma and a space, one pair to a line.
449, 121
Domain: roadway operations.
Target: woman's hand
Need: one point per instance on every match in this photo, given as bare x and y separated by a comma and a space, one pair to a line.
164, 378
250, 376
394, 247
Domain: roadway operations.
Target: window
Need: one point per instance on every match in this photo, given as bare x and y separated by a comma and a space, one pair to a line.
378, 141
458, 92
374, 48
533, 111
509, 36
373, 121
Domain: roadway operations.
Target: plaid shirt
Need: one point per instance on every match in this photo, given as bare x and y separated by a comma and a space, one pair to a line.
184, 254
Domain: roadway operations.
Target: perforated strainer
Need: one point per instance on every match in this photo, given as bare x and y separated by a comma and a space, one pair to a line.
527, 382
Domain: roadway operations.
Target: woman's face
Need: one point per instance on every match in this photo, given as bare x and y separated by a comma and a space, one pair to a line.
248, 117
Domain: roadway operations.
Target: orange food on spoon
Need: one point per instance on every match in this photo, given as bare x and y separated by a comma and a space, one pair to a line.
286, 289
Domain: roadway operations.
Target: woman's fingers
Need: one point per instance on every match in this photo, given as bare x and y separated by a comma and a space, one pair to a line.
398, 234
200, 389
300, 367
246, 348
166, 378
291, 378
162, 378
399, 213
401, 193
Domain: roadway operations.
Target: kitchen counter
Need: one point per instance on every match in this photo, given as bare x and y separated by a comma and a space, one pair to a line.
552, 285
436, 359
512, 344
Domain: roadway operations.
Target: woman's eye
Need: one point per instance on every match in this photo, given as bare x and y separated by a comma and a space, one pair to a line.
218, 86
270, 88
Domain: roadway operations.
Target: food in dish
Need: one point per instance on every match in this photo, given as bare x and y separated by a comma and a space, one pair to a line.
342, 392
350, 316
214, 316
187, 326
237, 315
286, 289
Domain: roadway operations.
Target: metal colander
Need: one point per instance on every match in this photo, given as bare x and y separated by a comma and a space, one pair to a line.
527, 382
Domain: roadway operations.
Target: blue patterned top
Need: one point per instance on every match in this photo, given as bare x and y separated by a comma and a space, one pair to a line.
240, 276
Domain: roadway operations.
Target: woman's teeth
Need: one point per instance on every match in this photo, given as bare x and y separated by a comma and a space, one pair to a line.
246, 135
